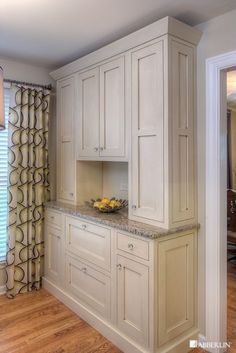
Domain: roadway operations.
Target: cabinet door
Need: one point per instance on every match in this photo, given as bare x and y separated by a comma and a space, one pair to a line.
66, 151
176, 286
112, 109
147, 168
89, 113
53, 254
132, 298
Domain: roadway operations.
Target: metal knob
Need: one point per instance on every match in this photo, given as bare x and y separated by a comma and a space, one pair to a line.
130, 246
119, 266
84, 269
84, 226
52, 217
71, 194
134, 207
95, 149
101, 148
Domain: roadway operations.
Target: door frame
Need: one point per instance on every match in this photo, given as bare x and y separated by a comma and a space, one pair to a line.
216, 199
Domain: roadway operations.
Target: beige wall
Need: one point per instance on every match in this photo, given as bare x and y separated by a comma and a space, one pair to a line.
21, 71
114, 175
218, 37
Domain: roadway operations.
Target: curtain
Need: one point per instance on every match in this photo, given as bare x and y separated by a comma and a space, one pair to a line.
28, 187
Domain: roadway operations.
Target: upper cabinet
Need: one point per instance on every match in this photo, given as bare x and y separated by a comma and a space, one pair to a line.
135, 102
101, 112
66, 163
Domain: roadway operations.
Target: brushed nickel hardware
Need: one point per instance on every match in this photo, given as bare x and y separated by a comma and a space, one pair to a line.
130, 246
119, 266
95, 149
134, 207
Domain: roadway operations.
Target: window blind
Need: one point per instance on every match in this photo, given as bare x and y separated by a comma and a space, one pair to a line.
4, 178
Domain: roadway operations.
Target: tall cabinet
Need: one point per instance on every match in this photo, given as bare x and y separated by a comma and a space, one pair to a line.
134, 101
66, 162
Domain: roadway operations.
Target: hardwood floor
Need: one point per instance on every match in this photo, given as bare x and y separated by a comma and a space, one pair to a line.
38, 323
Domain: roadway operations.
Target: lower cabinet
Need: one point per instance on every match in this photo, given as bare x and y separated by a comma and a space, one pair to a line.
90, 286
132, 299
140, 293
53, 255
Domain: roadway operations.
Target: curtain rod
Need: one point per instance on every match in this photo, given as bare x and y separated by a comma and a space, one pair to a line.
49, 87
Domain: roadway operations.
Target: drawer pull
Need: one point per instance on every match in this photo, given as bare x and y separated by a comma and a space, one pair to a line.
58, 237
131, 246
134, 207
52, 217
95, 149
84, 226
84, 269
119, 266
101, 149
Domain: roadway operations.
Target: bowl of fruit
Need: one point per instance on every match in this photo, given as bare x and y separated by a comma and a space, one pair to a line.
107, 205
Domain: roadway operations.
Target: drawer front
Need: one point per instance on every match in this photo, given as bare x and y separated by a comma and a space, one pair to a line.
88, 241
54, 218
88, 285
136, 247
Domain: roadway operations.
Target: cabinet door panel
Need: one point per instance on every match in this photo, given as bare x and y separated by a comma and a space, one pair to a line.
90, 286
112, 106
89, 113
66, 151
147, 169
53, 254
132, 297
176, 274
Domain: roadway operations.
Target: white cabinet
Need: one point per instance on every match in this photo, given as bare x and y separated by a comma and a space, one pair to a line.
112, 108
89, 113
147, 172
66, 163
133, 299
54, 256
162, 180
176, 286
88, 285
101, 119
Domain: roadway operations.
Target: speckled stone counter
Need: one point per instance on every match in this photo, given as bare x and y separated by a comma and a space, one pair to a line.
118, 220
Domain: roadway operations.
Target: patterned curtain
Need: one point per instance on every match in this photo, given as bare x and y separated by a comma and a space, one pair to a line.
28, 187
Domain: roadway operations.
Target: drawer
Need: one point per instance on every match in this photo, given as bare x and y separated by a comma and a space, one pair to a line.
137, 247
91, 287
89, 241
54, 218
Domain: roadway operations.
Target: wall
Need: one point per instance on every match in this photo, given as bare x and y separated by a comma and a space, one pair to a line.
218, 38
21, 71
115, 177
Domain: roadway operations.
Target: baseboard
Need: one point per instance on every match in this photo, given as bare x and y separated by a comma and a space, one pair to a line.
105, 328
178, 345
2, 290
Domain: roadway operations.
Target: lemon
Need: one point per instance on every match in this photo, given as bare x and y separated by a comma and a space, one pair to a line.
97, 204
105, 201
112, 204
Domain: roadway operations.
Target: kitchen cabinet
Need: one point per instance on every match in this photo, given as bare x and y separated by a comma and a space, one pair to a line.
133, 299
66, 162
162, 171
54, 268
139, 292
101, 119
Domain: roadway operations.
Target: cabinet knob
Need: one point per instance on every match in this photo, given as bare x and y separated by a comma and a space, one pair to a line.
52, 217
71, 194
119, 266
84, 269
84, 226
130, 246
101, 148
95, 149
134, 207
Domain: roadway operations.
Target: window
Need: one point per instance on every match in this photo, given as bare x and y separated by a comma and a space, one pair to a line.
4, 178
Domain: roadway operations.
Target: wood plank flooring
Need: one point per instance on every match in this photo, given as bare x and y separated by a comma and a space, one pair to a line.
38, 323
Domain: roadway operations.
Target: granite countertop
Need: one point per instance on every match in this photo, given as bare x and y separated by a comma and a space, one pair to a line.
118, 220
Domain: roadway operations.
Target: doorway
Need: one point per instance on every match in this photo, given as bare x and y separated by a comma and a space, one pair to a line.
216, 197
